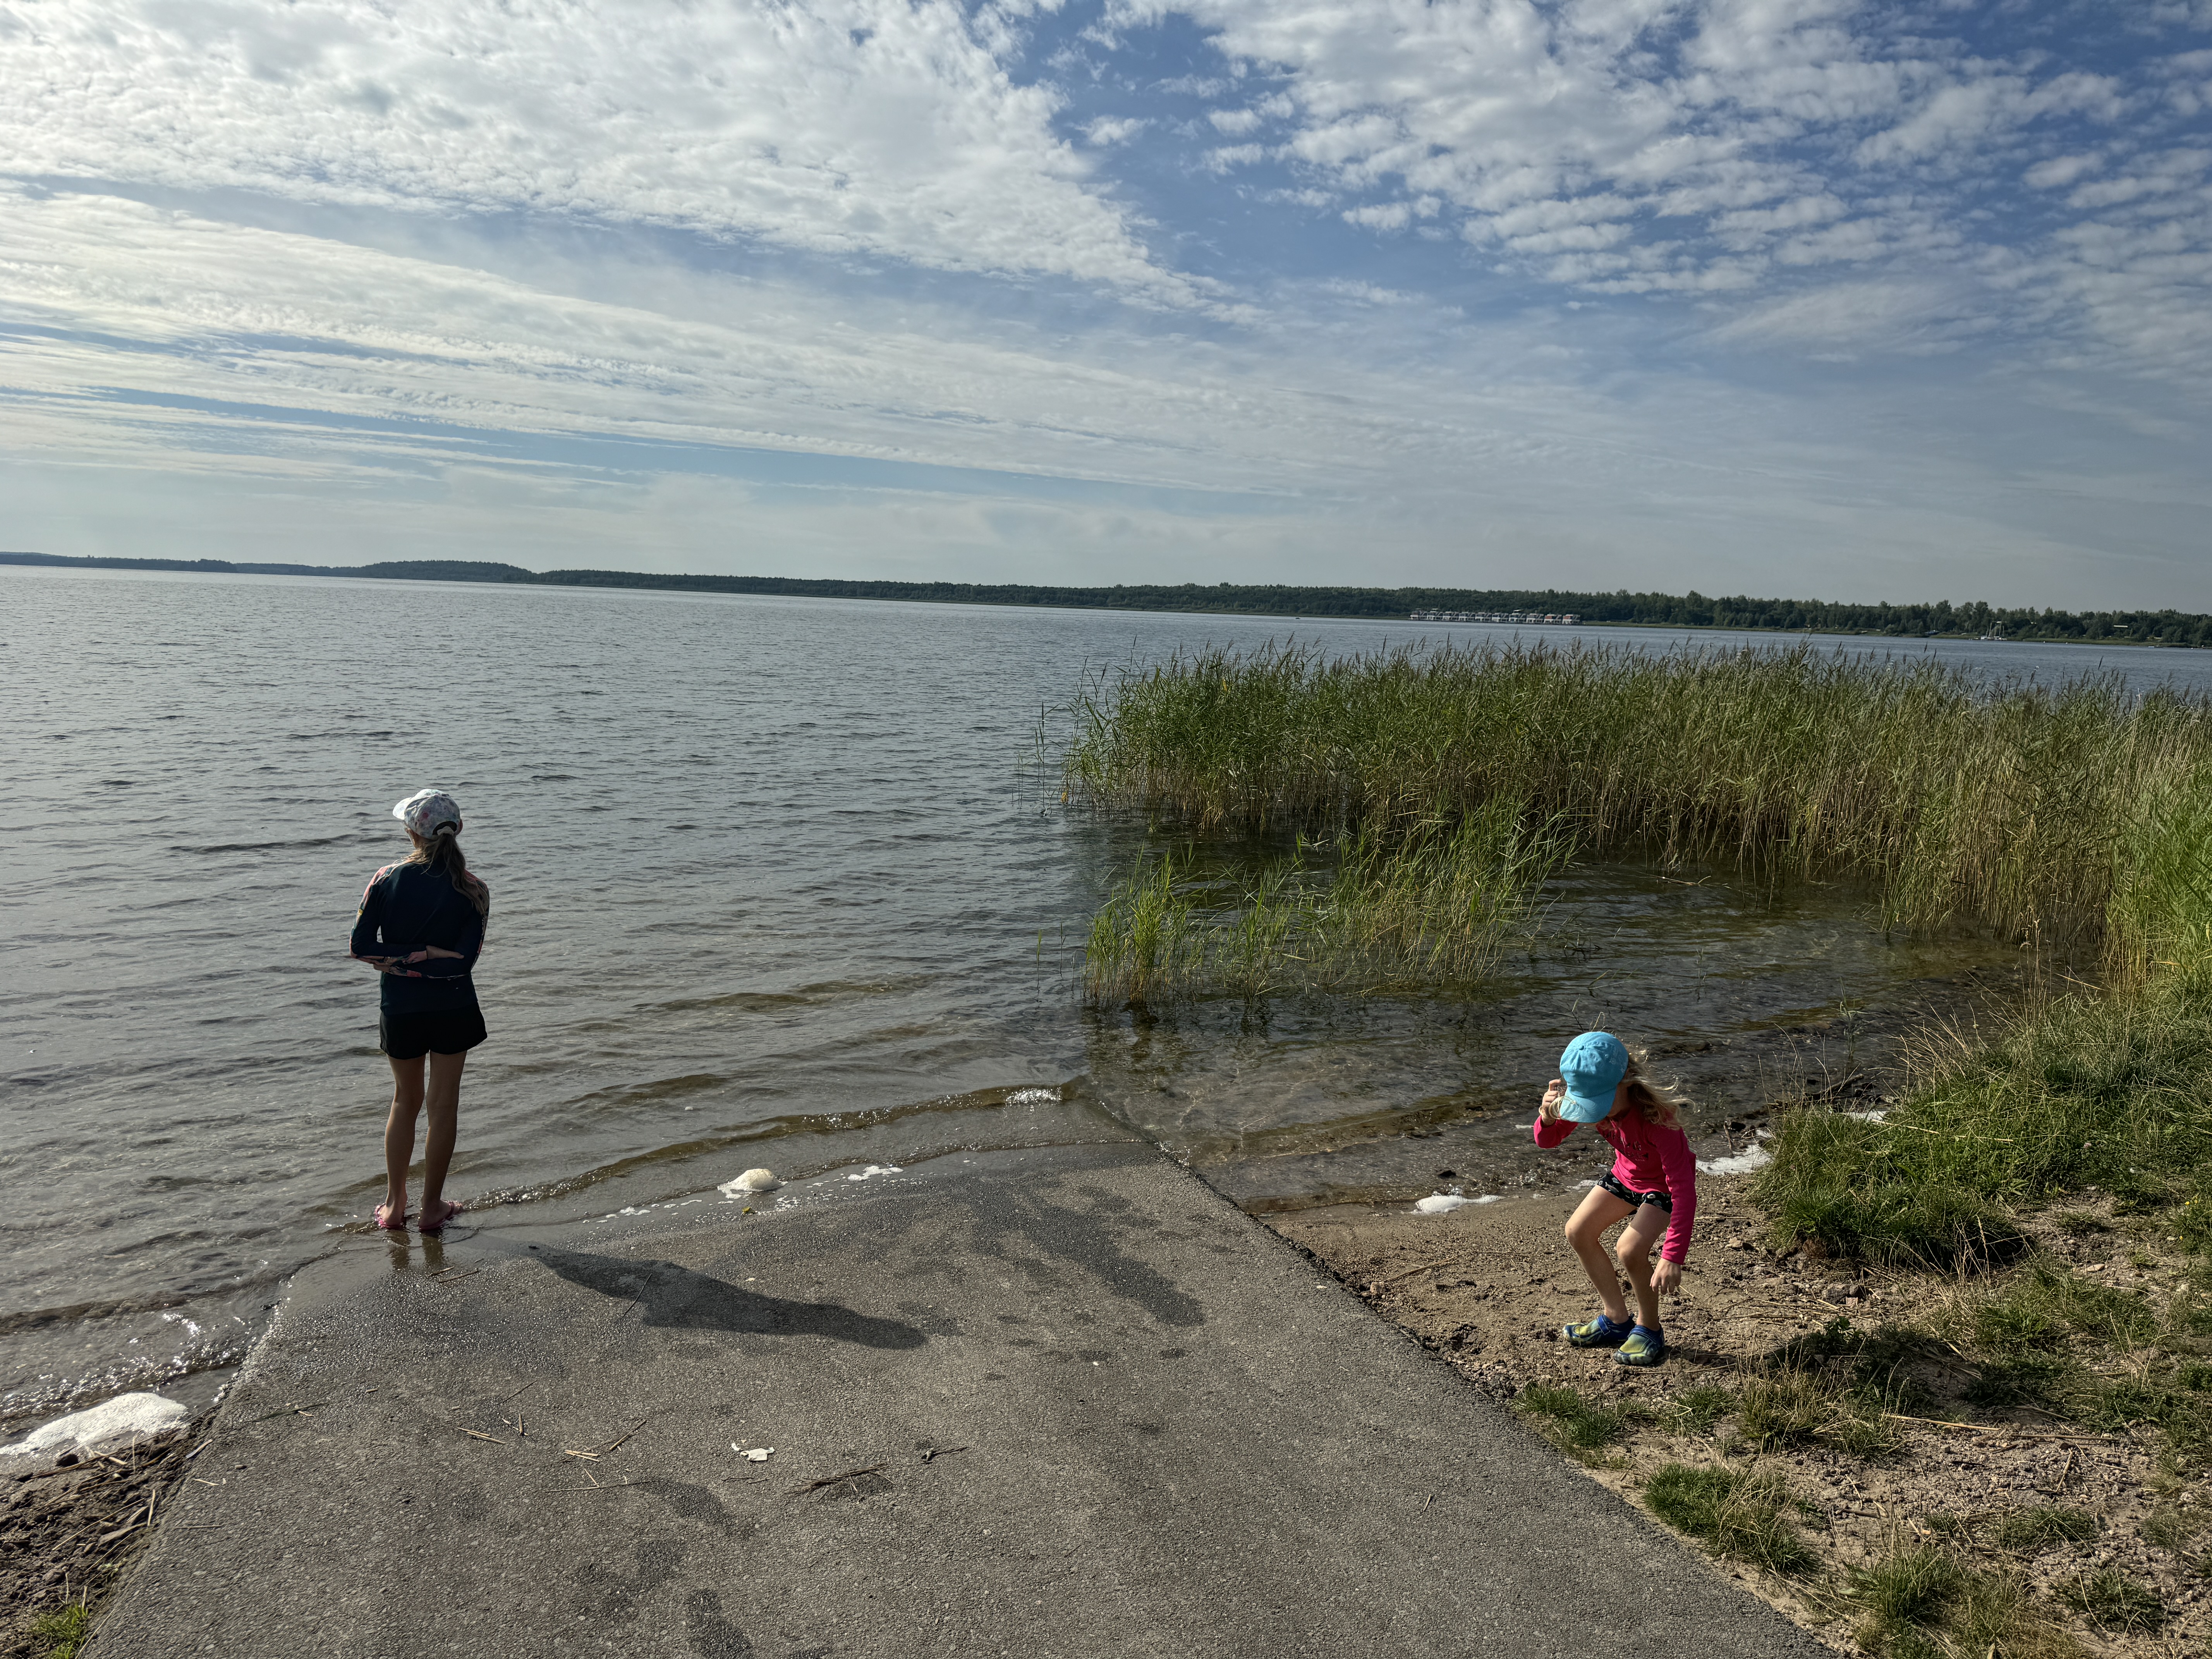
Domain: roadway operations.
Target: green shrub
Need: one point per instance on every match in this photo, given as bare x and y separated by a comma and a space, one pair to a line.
1735, 1512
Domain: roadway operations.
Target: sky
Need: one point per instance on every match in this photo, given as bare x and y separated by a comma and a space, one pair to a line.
1807, 298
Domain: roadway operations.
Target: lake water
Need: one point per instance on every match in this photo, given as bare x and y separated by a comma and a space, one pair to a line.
774, 881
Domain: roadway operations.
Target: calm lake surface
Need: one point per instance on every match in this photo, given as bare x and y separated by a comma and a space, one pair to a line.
773, 882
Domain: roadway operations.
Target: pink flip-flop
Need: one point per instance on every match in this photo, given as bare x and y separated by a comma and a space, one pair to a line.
423, 1224
389, 1222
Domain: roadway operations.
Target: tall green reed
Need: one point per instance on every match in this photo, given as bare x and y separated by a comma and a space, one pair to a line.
1429, 907
2046, 812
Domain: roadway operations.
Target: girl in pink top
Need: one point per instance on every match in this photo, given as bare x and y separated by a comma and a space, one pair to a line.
1654, 1178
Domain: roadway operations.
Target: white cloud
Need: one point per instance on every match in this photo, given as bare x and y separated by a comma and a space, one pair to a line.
877, 127
2061, 170
1109, 130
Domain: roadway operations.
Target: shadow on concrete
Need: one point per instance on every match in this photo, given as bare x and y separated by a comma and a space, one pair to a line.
679, 1299
1088, 1239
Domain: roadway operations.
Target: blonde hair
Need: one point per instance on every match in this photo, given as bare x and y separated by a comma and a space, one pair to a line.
441, 850
1659, 1103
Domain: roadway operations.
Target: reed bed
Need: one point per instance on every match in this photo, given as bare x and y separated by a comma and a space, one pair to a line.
1428, 907
2059, 815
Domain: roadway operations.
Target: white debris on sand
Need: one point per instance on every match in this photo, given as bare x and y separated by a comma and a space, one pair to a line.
753, 1454
1754, 1157
874, 1169
126, 1418
752, 1181
1445, 1203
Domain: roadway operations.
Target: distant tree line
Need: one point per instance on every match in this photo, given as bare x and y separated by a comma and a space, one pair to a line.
1691, 610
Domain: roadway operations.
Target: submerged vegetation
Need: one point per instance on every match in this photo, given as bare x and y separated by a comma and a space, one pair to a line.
1428, 907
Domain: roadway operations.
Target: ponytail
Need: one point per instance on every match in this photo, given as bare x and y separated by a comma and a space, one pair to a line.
443, 852
1657, 1103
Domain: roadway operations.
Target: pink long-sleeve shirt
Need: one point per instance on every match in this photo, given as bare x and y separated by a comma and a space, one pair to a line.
1646, 1159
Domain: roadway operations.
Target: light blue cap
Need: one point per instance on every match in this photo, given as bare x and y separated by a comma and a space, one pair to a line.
1592, 1068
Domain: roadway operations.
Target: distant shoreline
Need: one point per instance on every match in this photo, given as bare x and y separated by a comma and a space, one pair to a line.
1693, 610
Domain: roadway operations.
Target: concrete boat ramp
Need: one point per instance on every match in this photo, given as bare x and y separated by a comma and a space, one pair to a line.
1065, 1402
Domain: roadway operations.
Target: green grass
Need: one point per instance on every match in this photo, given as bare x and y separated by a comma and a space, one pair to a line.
1698, 1410
1792, 1407
2114, 1603
1924, 1602
2085, 1089
1735, 1512
61, 1635
2040, 1527
1571, 1420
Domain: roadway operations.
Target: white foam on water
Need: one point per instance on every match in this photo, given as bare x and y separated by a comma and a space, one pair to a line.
1032, 1096
752, 1181
126, 1418
874, 1169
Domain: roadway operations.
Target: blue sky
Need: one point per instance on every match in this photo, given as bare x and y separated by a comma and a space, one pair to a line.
1798, 297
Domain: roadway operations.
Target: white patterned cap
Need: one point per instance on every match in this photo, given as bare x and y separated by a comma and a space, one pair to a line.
426, 809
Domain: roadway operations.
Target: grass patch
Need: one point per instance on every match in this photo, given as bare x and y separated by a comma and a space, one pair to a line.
2039, 1527
1571, 1420
1697, 1411
1796, 1407
2044, 1302
2080, 1224
2082, 1091
1735, 1512
61, 1635
2170, 1526
2113, 1603
1925, 1603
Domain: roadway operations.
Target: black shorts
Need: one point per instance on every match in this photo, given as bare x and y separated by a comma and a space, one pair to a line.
1620, 1189
446, 1031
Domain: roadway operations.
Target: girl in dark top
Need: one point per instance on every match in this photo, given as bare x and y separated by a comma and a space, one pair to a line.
421, 926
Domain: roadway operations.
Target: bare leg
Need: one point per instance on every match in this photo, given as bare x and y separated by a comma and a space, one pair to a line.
400, 1132
443, 1097
1635, 1245
1585, 1232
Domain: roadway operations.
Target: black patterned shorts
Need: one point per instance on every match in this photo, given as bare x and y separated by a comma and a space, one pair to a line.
1627, 1195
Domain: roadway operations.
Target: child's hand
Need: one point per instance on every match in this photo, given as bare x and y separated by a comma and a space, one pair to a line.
1549, 1111
1665, 1277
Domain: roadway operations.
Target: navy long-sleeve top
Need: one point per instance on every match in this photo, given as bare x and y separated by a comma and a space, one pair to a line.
407, 908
